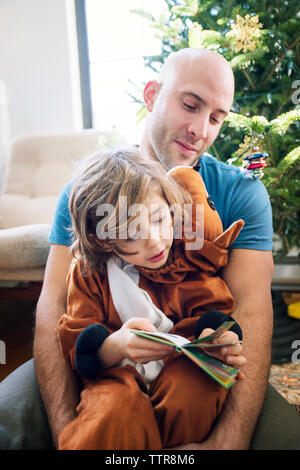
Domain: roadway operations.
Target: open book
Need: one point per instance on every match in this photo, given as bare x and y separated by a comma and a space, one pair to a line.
223, 373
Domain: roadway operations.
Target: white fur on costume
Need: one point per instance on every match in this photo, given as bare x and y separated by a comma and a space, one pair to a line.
132, 301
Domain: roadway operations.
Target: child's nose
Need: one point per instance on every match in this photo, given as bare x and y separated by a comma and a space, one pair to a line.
154, 236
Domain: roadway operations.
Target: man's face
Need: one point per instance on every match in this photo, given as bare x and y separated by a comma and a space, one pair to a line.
187, 114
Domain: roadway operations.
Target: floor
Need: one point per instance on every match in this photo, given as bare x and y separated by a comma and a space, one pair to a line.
16, 331
17, 317
286, 379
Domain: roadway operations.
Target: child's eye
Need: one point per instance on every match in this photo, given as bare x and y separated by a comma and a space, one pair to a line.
214, 120
133, 238
158, 221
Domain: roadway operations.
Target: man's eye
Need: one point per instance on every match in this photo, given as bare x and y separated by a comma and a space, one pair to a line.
190, 107
214, 120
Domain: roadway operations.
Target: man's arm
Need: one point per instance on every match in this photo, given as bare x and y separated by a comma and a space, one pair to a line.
57, 382
248, 275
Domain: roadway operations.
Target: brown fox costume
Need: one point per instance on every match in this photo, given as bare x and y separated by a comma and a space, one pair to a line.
116, 410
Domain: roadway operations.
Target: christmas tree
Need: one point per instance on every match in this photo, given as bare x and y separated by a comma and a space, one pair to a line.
260, 39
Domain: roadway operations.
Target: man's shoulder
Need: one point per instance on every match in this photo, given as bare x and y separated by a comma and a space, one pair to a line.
63, 199
211, 166
223, 178
237, 195
67, 188
60, 233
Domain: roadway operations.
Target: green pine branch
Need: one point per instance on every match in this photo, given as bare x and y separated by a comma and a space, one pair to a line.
264, 112
281, 124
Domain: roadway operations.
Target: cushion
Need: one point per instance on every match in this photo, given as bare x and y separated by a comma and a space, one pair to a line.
16, 210
24, 247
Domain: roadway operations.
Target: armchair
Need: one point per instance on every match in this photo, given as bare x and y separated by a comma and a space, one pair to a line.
38, 168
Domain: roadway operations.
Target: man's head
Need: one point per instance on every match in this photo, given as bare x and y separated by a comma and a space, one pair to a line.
187, 106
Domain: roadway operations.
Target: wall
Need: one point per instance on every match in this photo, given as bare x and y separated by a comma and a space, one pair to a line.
39, 66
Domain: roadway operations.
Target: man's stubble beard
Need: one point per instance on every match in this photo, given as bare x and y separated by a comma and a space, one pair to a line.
161, 147
161, 152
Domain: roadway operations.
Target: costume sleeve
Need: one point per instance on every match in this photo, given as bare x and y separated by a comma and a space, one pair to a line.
60, 232
85, 307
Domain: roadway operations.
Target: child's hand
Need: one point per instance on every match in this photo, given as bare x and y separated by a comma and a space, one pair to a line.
140, 349
124, 344
232, 355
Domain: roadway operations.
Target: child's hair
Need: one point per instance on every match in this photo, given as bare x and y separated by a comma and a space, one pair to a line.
102, 180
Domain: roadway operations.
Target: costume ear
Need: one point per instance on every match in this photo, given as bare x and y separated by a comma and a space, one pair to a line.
150, 91
227, 238
192, 181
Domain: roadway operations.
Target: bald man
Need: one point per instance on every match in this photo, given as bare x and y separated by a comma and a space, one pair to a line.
186, 107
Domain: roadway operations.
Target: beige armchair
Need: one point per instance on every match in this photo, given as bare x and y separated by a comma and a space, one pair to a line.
38, 168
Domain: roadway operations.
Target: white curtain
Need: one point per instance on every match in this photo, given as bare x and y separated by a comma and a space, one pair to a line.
4, 129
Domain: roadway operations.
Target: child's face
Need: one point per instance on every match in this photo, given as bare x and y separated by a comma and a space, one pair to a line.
150, 234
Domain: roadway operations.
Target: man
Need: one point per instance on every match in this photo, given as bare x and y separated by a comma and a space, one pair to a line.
186, 108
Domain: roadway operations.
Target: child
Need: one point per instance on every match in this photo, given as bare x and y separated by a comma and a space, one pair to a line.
135, 270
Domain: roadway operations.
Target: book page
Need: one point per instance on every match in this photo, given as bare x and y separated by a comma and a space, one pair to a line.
180, 341
225, 326
173, 340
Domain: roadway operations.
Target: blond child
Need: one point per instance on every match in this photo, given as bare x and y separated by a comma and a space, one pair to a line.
137, 265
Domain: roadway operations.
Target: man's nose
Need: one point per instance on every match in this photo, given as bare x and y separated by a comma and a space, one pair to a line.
198, 128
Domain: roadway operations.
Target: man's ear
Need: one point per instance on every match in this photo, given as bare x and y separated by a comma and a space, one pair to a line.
150, 92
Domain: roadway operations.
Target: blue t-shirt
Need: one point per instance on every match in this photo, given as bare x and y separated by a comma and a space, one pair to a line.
235, 195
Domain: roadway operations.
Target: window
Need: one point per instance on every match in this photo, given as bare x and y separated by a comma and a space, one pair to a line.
117, 40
